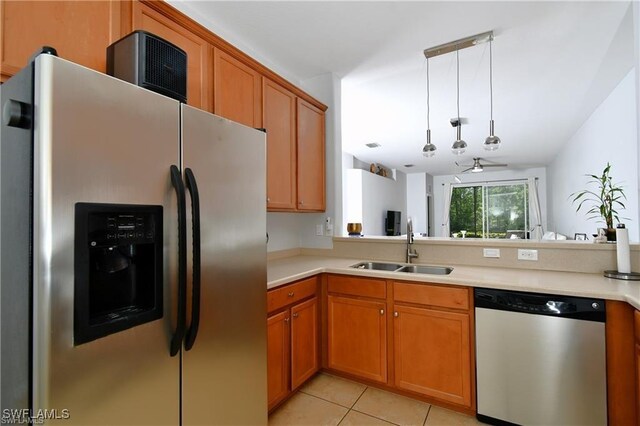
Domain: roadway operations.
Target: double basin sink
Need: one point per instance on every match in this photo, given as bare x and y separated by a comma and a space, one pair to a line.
411, 269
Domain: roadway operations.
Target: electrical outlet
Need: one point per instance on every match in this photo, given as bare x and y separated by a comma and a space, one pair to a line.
491, 252
328, 230
319, 230
527, 254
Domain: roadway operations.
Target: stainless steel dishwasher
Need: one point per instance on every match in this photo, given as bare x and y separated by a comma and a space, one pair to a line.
540, 359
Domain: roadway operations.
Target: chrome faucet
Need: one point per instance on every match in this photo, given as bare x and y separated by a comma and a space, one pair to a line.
411, 252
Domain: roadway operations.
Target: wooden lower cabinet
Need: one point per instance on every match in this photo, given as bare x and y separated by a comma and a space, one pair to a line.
293, 345
304, 341
432, 353
278, 357
357, 337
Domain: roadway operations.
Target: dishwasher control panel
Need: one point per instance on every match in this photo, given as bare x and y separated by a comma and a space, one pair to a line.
541, 304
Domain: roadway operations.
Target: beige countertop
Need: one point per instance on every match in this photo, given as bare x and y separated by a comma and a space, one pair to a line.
286, 270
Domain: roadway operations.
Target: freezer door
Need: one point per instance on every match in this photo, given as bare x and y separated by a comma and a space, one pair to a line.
100, 140
224, 376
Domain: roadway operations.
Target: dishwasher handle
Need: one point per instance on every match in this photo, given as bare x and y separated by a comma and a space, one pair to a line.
541, 304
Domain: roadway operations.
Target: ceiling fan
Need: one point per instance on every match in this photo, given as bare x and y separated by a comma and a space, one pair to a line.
477, 167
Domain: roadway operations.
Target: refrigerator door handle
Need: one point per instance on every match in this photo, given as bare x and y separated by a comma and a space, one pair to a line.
176, 340
195, 301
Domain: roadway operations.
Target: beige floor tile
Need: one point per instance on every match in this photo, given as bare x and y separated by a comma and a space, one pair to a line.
441, 416
354, 418
392, 408
334, 389
303, 409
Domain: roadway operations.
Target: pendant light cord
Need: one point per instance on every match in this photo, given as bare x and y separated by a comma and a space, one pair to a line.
491, 74
458, 83
428, 109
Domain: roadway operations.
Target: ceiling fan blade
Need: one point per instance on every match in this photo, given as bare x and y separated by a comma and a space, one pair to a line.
466, 170
495, 165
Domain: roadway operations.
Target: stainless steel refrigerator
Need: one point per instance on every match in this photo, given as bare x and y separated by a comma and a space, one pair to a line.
133, 255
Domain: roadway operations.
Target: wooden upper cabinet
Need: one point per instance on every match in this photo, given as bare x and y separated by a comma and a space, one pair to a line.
278, 113
237, 90
198, 51
311, 165
79, 30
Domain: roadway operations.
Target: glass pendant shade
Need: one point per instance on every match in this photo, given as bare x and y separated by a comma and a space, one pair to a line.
459, 146
492, 142
429, 150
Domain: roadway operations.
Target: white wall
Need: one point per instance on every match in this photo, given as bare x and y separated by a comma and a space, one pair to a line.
636, 38
438, 191
369, 196
417, 201
610, 134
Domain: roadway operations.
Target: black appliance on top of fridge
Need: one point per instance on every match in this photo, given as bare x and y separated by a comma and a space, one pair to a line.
133, 260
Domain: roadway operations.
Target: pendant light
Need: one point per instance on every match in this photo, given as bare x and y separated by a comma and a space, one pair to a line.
459, 146
492, 142
429, 150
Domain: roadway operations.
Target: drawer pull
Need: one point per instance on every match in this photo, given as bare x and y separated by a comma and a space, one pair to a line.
395, 314
381, 311
295, 315
290, 294
286, 319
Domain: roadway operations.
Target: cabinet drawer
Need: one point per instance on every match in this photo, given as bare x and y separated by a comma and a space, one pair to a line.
283, 296
433, 295
357, 286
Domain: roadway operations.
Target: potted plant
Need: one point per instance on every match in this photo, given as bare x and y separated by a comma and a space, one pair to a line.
604, 202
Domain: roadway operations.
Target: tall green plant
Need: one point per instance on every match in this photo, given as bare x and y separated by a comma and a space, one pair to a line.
604, 201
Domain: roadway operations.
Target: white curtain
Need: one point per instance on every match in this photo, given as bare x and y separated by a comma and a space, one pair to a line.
447, 207
535, 217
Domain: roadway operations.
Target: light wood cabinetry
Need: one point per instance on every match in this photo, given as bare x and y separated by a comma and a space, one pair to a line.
356, 326
220, 79
413, 338
79, 30
432, 353
304, 341
278, 357
311, 155
279, 111
237, 90
357, 337
198, 51
292, 338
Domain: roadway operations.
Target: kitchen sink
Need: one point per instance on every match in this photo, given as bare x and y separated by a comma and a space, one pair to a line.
424, 269
378, 266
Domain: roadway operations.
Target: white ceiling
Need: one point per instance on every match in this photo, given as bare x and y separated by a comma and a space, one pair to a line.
554, 62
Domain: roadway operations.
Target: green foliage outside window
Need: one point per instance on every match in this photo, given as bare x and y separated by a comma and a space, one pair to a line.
500, 208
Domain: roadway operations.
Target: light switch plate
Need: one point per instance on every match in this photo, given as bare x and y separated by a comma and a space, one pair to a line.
319, 230
527, 254
328, 230
491, 252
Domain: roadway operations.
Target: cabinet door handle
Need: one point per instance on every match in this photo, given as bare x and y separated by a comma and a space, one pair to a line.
286, 319
395, 314
381, 311
301, 202
268, 200
290, 294
295, 315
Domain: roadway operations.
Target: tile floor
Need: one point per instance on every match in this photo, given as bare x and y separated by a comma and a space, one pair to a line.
330, 400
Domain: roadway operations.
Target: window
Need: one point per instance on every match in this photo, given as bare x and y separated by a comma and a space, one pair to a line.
490, 210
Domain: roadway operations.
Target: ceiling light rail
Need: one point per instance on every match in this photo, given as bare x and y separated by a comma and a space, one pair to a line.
463, 43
